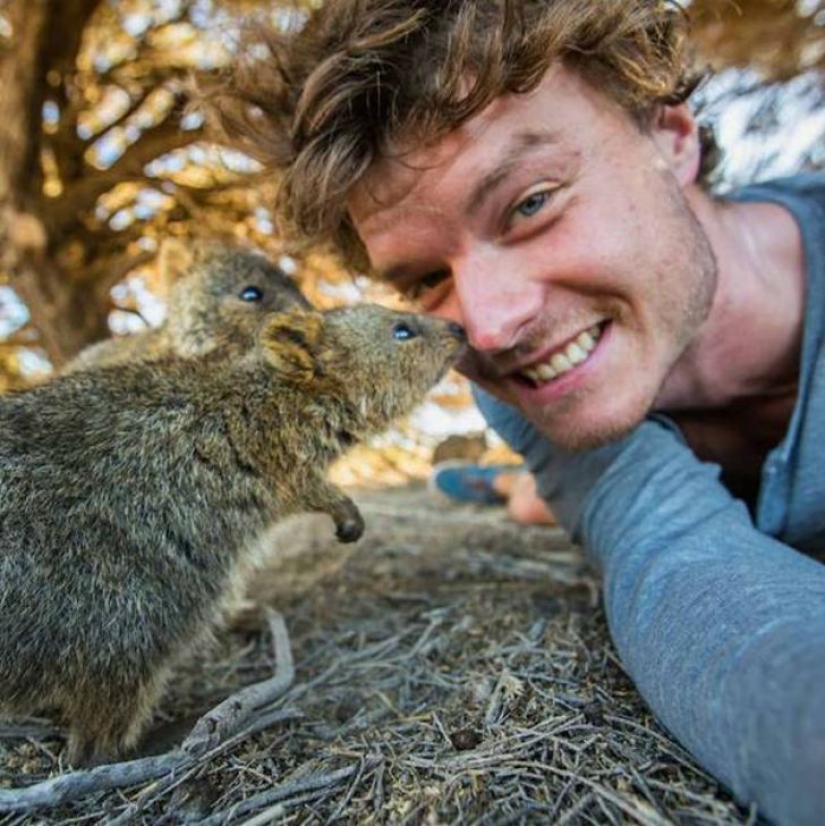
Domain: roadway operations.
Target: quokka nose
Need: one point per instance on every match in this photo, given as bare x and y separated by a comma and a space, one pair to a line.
455, 329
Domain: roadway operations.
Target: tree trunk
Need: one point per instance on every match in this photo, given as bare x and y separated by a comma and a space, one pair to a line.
46, 35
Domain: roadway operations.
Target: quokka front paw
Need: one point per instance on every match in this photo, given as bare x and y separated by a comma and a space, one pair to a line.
351, 528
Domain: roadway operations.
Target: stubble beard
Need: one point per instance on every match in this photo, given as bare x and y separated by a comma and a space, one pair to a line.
681, 316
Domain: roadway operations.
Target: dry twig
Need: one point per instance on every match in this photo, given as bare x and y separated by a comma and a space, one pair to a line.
227, 718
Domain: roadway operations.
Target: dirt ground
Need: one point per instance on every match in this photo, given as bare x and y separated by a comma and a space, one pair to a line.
451, 668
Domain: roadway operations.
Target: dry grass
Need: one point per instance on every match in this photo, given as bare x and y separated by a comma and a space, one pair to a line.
452, 668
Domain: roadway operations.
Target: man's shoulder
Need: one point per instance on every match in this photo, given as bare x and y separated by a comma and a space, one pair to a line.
807, 185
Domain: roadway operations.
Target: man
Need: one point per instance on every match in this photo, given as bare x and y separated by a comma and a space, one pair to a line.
530, 170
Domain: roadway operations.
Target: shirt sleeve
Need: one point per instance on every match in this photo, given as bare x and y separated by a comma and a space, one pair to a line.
721, 627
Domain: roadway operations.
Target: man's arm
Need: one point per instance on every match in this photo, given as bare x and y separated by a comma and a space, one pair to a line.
721, 627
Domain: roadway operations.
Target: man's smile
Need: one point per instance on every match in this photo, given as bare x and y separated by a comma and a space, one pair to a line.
563, 358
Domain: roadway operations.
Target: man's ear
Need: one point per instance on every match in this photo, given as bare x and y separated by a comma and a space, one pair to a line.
292, 344
676, 135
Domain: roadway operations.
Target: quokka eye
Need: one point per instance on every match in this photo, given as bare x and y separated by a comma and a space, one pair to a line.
403, 331
251, 293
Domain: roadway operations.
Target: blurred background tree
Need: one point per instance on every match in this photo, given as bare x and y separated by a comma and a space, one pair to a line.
100, 157
779, 39
766, 98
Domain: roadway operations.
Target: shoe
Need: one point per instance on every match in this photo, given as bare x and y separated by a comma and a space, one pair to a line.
467, 482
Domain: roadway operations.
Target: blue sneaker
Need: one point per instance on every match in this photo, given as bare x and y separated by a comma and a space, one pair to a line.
468, 482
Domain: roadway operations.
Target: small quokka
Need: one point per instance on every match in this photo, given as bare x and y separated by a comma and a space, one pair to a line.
219, 295
130, 495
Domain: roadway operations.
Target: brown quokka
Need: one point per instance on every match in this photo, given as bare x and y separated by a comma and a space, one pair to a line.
130, 496
219, 295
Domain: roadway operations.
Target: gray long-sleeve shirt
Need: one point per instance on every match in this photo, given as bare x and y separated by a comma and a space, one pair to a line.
717, 616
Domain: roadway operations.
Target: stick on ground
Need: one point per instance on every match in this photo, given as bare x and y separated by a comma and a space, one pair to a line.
229, 716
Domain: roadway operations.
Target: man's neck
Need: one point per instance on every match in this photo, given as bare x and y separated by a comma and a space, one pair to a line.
733, 390
748, 348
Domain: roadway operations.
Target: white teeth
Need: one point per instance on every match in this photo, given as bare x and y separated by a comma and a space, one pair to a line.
574, 354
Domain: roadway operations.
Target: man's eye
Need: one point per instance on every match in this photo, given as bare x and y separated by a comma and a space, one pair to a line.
531, 204
428, 282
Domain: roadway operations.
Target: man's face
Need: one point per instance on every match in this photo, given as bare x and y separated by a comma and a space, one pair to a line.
558, 234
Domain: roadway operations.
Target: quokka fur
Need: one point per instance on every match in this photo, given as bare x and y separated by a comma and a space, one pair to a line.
130, 495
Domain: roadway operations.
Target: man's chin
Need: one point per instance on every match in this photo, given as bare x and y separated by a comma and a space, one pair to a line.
571, 429
579, 442
578, 435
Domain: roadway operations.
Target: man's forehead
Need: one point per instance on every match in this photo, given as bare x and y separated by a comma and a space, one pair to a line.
409, 176
510, 125
395, 174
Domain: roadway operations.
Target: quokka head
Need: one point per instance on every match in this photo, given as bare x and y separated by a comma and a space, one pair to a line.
381, 361
223, 293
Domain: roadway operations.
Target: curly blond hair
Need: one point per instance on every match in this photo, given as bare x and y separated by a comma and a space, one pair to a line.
319, 104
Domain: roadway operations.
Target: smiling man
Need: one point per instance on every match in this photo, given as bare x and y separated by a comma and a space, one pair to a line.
531, 170
535, 233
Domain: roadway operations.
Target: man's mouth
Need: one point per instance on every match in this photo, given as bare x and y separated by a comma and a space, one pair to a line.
565, 358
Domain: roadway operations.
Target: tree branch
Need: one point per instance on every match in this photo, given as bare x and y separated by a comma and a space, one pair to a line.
105, 275
153, 143
21, 79
25, 336
144, 49
66, 26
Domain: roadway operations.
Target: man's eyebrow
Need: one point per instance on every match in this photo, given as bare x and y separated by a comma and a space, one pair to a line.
521, 144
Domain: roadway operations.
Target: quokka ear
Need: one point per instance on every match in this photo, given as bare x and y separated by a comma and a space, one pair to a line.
292, 343
174, 260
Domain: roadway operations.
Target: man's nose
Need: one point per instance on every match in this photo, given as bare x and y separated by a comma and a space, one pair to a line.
491, 303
